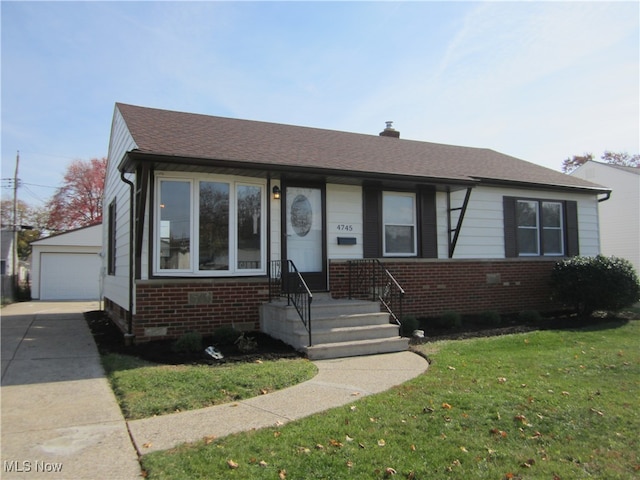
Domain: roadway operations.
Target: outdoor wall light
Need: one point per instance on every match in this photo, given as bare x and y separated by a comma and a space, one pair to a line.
276, 192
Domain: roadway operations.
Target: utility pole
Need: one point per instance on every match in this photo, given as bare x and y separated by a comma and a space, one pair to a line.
15, 228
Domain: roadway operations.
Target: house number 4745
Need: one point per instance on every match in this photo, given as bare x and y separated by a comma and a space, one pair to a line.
345, 228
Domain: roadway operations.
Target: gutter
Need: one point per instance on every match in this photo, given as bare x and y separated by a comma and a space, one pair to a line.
129, 334
607, 197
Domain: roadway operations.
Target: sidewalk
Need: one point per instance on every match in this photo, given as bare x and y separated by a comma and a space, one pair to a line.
58, 410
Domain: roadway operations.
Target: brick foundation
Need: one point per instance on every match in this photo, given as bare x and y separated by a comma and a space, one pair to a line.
169, 308
433, 287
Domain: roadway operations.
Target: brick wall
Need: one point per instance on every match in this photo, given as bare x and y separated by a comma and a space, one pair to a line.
169, 308
464, 286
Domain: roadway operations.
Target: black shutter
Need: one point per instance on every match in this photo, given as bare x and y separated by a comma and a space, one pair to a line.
372, 230
571, 222
428, 224
510, 227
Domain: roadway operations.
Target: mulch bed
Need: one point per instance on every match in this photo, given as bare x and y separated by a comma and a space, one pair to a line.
109, 339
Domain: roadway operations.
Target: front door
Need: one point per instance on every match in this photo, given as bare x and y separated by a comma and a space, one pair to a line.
304, 233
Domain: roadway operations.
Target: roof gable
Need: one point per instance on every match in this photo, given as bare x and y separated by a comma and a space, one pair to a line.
188, 135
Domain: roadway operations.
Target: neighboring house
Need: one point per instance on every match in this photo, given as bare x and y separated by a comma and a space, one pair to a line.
199, 209
620, 215
67, 266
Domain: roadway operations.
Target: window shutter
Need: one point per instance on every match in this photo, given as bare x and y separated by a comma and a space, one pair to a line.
571, 221
510, 228
372, 229
428, 224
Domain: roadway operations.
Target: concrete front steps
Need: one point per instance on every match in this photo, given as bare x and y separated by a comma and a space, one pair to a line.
340, 328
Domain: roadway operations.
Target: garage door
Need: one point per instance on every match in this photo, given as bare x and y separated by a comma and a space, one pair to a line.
69, 276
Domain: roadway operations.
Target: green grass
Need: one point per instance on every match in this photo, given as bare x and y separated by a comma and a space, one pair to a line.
145, 389
540, 405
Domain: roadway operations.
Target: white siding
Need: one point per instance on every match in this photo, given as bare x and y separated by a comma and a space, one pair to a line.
620, 215
482, 233
116, 287
275, 231
344, 219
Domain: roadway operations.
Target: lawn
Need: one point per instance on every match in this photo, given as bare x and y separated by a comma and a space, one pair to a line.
145, 389
553, 404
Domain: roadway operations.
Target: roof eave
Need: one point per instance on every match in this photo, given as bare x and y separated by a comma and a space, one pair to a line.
595, 190
136, 157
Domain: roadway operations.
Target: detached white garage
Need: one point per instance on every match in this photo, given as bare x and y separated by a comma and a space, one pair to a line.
67, 266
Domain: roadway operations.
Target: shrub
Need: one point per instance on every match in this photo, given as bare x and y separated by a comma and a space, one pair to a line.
450, 319
226, 335
588, 284
409, 324
190, 342
490, 317
530, 316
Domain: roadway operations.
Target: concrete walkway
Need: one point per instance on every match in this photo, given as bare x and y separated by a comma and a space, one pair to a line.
58, 411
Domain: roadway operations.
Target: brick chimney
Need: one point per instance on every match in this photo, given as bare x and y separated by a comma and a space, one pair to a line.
389, 131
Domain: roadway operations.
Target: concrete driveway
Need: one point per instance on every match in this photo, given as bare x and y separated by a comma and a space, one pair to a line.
60, 418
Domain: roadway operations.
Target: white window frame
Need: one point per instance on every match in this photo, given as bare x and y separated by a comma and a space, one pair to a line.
194, 270
540, 228
411, 195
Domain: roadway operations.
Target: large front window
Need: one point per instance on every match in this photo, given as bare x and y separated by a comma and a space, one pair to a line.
212, 226
399, 219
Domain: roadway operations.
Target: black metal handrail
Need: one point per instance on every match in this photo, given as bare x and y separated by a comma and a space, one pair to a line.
369, 278
286, 281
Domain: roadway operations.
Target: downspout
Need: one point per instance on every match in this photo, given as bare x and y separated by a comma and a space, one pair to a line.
129, 334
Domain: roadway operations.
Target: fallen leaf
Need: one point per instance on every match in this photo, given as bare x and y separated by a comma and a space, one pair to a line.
565, 393
413, 448
335, 443
597, 411
276, 434
464, 450
446, 406
279, 423
373, 420
355, 394
520, 418
502, 379
353, 408
348, 438
427, 410
381, 442
147, 445
262, 463
319, 446
361, 445
349, 463
282, 474
209, 439
232, 464
451, 368
258, 361
264, 391
389, 471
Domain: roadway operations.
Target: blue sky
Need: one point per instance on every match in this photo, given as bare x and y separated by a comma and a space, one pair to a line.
541, 81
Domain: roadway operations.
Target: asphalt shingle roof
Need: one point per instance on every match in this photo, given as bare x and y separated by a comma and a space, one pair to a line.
188, 135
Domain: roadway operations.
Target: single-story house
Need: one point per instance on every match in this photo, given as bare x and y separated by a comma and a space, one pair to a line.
66, 266
207, 219
620, 216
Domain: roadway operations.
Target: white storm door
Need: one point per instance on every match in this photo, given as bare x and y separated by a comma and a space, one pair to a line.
304, 228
